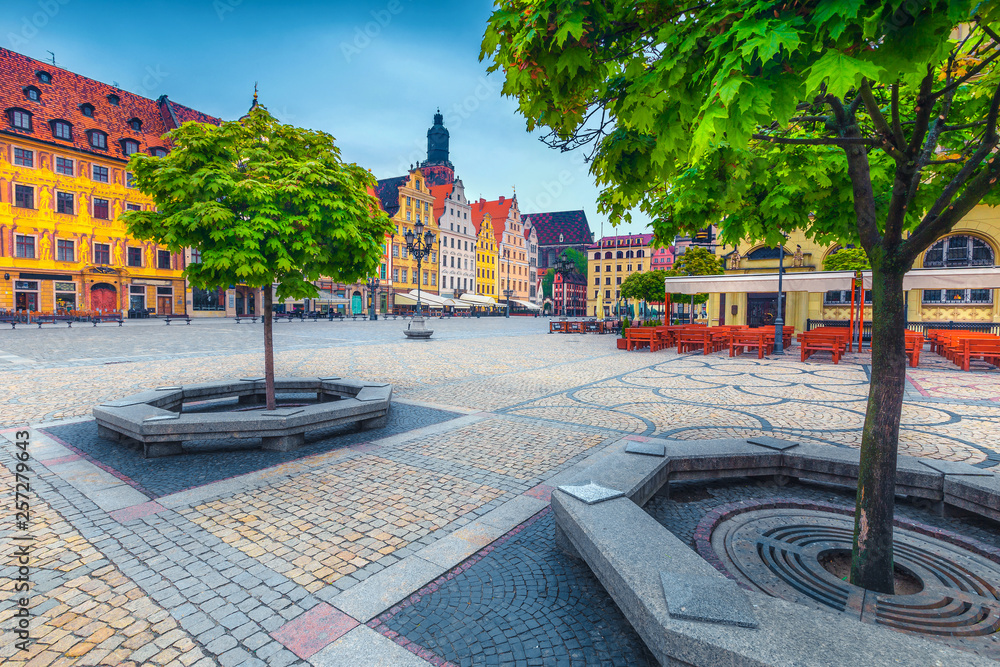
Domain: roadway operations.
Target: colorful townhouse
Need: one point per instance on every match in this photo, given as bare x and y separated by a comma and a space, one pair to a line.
458, 239
512, 255
609, 262
65, 142
408, 201
487, 278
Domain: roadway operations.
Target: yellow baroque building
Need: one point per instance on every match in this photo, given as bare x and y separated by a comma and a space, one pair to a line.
65, 141
408, 200
487, 253
974, 242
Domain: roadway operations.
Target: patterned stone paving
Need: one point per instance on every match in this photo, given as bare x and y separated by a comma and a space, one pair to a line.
335, 520
241, 558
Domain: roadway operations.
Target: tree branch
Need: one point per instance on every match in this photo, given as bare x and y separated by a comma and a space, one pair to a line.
881, 126
897, 128
829, 141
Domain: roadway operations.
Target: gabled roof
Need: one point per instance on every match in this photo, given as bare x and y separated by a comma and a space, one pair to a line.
572, 225
498, 210
440, 194
387, 192
62, 100
624, 241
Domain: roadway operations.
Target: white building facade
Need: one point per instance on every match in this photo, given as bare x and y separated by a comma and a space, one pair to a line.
458, 242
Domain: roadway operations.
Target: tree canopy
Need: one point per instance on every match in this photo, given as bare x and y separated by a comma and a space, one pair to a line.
645, 286
847, 259
695, 261
264, 203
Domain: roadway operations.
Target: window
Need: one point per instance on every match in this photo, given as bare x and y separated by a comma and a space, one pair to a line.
62, 130
24, 246
100, 174
607, 281
134, 257
24, 196
607, 294
64, 203
195, 256
65, 296
629, 267
129, 179
65, 250
20, 119
208, 299
597, 280
101, 208
163, 259
97, 139
765, 253
619, 281
87, 109
130, 146
433, 279
403, 274
44, 77
114, 100
381, 273
837, 297
408, 200
132, 207
618, 267
395, 275
102, 253
395, 250
597, 268
639, 268
157, 152
959, 251
953, 296
407, 216
64, 166
33, 93
24, 157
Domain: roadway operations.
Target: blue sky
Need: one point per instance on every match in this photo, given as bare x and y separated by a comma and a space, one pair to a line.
371, 73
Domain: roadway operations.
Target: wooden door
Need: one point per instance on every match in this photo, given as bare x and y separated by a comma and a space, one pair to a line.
163, 306
103, 298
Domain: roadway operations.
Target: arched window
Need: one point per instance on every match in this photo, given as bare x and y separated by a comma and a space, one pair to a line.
607, 255
766, 253
629, 254
619, 255
87, 109
33, 93
958, 251
597, 255
639, 253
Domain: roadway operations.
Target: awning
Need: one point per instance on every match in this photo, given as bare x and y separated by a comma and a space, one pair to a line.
526, 304
824, 281
407, 300
478, 299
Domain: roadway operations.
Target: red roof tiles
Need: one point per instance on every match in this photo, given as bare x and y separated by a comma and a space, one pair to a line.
572, 225
63, 97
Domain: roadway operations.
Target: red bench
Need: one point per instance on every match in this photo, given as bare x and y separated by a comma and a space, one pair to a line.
637, 337
834, 342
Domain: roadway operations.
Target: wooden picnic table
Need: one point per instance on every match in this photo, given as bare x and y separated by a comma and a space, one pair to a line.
751, 339
637, 337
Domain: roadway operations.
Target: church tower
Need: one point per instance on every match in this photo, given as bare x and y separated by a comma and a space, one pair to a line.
437, 169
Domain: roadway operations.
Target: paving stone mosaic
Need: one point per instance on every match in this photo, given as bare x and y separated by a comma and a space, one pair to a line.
519, 602
163, 476
332, 521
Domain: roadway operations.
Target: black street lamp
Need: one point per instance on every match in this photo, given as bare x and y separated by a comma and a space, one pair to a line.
373, 283
419, 245
779, 321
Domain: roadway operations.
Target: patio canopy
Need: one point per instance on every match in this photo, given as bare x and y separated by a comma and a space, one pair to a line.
526, 304
477, 299
411, 300
824, 281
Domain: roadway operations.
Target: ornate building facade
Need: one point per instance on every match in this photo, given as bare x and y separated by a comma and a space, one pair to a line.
609, 262
65, 142
408, 201
458, 239
487, 279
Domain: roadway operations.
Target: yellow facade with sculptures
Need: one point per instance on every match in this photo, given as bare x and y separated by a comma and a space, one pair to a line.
974, 242
65, 247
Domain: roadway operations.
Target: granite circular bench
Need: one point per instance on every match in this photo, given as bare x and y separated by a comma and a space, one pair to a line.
155, 418
686, 611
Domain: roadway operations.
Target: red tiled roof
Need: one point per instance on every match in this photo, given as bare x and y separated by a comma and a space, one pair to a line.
62, 98
572, 225
623, 241
440, 194
498, 210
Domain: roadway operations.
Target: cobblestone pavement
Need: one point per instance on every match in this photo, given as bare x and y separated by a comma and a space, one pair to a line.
254, 558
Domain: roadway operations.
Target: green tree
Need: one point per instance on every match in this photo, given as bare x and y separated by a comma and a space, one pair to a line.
647, 286
547, 280
265, 204
847, 259
856, 122
578, 258
695, 261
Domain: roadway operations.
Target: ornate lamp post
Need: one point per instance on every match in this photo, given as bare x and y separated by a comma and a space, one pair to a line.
508, 293
564, 267
373, 283
418, 244
779, 321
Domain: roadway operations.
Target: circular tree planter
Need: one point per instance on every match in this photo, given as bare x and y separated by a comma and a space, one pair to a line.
154, 419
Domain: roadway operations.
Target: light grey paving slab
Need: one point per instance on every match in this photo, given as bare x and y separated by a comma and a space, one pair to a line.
710, 599
364, 646
591, 493
512, 513
772, 443
955, 468
85, 476
437, 406
118, 497
647, 448
449, 551
383, 589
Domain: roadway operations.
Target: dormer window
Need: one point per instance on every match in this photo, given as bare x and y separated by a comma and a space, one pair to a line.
87, 109
158, 152
130, 146
114, 100
44, 77
97, 139
62, 130
33, 93
135, 124
20, 119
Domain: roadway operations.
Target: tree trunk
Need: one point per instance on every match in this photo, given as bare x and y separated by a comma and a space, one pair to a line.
871, 564
268, 316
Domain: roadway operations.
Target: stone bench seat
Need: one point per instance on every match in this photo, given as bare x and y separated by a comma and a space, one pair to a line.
155, 418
